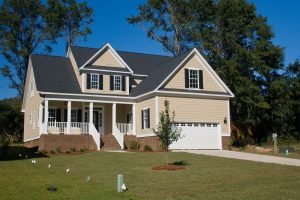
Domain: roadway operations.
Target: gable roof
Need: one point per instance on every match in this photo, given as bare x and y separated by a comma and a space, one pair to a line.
157, 70
54, 74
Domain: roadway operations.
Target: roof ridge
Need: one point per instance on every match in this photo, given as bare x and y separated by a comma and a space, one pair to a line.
150, 54
47, 55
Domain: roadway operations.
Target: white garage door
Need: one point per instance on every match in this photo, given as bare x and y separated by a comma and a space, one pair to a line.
198, 136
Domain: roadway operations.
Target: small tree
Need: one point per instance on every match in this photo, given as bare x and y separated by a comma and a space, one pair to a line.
166, 131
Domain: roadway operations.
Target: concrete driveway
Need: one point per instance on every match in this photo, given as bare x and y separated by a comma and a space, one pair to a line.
245, 156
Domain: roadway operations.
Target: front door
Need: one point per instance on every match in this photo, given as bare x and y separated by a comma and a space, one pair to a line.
97, 119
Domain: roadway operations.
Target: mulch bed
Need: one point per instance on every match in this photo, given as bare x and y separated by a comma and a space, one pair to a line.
168, 167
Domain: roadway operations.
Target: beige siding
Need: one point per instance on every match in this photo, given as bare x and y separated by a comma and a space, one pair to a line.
197, 110
209, 83
106, 87
75, 68
107, 59
33, 101
149, 103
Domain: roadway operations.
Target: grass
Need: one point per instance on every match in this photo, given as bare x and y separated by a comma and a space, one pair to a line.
205, 177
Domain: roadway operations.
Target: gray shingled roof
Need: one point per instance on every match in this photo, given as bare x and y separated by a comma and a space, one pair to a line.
55, 74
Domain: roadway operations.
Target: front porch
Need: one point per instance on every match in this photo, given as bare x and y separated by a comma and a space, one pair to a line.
92, 118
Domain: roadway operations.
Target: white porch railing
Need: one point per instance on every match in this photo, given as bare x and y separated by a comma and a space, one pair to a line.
125, 128
61, 127
119, 136
79, 128
57, 127
93, 131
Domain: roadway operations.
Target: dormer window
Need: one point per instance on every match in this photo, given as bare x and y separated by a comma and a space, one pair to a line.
193, 79
117, 82
95, 81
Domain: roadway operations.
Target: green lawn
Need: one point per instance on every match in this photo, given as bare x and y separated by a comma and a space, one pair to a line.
205, 178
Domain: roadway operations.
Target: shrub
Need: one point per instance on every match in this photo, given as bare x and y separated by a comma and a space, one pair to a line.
134, 145
52, 152
286, 140
72, 149
58, 149
147, 148
68, 152
83, 149
43, 151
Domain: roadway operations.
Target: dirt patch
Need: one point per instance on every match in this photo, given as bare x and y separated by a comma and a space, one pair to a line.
168, 167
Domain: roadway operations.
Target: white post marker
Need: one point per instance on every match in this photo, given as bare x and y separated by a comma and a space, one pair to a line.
274, 136
120, 183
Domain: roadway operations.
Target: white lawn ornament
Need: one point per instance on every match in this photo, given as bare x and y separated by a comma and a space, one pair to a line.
124, 187
67, 170
26, 156
49, 166
33, 161
88, 178
20, 155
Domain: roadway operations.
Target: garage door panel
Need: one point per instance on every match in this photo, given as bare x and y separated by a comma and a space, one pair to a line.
206, 136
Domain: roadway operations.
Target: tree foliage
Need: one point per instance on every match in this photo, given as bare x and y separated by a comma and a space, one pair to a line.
166, 131
27, 26
237, 42
11, 120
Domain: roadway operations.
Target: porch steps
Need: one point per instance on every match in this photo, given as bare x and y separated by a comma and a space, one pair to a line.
109, 142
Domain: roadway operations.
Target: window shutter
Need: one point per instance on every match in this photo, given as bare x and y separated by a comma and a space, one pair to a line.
43, 117
65, 115
79, 115
186, 71
88, 81
142, 119
200, 79
123, 83
100, 82
58, 115
148, 113
111, 82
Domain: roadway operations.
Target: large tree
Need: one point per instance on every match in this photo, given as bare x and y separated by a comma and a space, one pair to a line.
27, 26
237, 42
70, 19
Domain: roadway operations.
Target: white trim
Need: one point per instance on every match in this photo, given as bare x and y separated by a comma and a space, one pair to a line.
145, 134
114, 53
104, 70
220, 136
83, 81
31, 138
87, 100
142, 75
205, 65
120, 77
91, 81
225, 134
156, 111
87, 95
195, 94
143, 117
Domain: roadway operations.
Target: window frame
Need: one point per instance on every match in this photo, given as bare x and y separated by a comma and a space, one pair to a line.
76, 115
192, 78
115, 83
50, 110
96, 82
146, 118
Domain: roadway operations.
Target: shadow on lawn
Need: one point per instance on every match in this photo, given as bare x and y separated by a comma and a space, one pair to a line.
13, 153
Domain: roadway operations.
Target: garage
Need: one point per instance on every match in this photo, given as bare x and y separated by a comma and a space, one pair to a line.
198, 136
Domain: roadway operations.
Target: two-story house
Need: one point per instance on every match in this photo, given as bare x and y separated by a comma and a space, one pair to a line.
102, 98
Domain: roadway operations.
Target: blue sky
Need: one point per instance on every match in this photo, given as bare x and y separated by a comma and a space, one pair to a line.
110, 25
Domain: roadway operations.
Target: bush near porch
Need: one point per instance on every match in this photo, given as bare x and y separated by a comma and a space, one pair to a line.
204, 178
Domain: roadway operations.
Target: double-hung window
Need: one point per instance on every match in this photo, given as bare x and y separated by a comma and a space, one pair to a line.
193, 79
74, 115
95, 81
117, 82
145, 118
51, 115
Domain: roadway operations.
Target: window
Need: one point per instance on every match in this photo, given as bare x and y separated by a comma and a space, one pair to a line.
95, 81
129, 118
51, 115
190, 124
117, 82
182, 124
146, 118
208, 125
73, 115
193, 78
215, 125
196, 124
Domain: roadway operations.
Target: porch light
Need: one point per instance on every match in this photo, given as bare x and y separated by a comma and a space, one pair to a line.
225, 120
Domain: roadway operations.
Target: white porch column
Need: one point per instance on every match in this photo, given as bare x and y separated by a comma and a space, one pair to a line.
133, 120
40, 122
46, 117
113, 117
69, 118
91, 116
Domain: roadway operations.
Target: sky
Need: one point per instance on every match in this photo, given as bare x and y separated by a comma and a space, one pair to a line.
110, 26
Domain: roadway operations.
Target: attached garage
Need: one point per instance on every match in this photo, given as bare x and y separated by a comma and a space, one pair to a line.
198, 136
